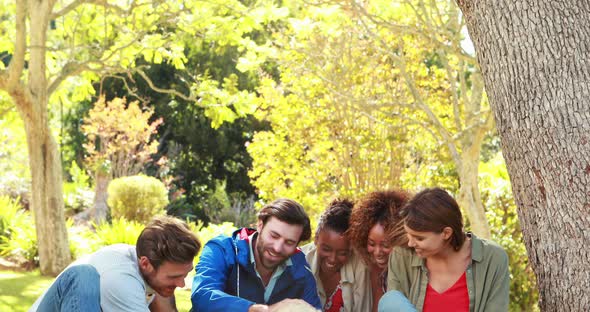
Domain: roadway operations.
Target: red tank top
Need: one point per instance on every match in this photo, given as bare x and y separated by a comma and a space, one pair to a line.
454, 299
334, 303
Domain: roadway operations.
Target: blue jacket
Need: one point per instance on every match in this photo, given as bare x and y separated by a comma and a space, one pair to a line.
224, 259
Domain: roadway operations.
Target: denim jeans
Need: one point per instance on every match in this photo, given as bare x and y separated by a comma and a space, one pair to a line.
75, 289
395, 301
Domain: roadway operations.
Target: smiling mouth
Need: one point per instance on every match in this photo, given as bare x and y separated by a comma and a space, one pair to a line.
273, 255
329, 265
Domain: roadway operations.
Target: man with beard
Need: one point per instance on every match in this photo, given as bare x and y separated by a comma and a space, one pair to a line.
123, 277
256, 270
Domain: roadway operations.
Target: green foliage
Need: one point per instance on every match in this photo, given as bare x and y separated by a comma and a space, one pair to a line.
18, 240
138, 198
340, 117
501, 214
9, 215
13, 145
77, 194
205, 233
119, 137
119, 231
14, 181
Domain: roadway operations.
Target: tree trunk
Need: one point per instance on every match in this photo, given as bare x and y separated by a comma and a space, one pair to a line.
534, 57
100, 209
469, 198
44, 159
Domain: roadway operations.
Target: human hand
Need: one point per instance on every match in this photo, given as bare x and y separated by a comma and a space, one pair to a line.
258, 308
292, 305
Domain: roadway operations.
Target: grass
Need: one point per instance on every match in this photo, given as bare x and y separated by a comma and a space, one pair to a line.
19, 290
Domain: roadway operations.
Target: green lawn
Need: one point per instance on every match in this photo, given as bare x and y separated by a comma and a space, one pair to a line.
18, 291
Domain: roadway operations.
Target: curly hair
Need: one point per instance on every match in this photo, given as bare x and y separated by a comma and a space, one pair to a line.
336, 217
381, 207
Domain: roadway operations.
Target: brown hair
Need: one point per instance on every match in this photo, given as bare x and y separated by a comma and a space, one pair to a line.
289, 211
167, 239
432, 210
377, 207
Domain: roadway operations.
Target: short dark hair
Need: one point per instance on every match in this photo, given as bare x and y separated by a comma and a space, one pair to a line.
167, 239
381, 207
432, 210
336, 217
289, 211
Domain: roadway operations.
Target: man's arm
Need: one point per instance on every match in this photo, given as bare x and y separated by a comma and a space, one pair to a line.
163, 304
310, 292
498, 296
209, 283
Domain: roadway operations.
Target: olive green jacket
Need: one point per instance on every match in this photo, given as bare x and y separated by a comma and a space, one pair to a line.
355, 281
488, 279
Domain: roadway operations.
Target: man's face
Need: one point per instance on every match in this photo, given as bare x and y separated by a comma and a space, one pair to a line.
167, 277
276, 242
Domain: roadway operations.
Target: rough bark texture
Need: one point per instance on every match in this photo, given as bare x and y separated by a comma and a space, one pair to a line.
44, 159
535, 58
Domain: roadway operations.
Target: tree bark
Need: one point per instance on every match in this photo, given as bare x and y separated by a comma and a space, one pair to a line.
468, 196
534, 57
100, 207
44, 159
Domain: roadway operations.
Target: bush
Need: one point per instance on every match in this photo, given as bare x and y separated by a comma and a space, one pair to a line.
137, 198
8, 213
18, 240
77, 199
212, 230
77, 194
16, 187
120, 231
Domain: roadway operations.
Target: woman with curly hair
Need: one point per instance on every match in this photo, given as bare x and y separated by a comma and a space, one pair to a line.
374, 231
334, 265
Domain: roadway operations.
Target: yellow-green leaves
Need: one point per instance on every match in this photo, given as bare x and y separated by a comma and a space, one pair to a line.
119, 136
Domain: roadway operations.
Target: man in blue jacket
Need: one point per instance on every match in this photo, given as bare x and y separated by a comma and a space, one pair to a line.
256, 270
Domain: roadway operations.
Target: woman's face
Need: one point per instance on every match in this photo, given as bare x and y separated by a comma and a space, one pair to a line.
428, 244
333, 250
378, 246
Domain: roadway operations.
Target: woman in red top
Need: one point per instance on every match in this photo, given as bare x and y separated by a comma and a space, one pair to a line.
443, 261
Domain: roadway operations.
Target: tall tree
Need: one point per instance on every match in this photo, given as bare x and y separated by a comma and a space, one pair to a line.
534, 59
50, 42
425, 42
371, 77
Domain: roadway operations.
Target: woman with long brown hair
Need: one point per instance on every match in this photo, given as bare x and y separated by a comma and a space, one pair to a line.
445, 268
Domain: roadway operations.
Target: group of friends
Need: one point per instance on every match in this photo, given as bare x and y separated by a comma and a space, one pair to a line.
388, 251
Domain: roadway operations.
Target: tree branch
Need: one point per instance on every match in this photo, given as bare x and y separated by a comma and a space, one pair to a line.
70, 69
151, 84
17, 63
75, 4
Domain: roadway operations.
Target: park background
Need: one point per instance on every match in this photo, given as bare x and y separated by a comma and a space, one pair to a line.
206, 110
